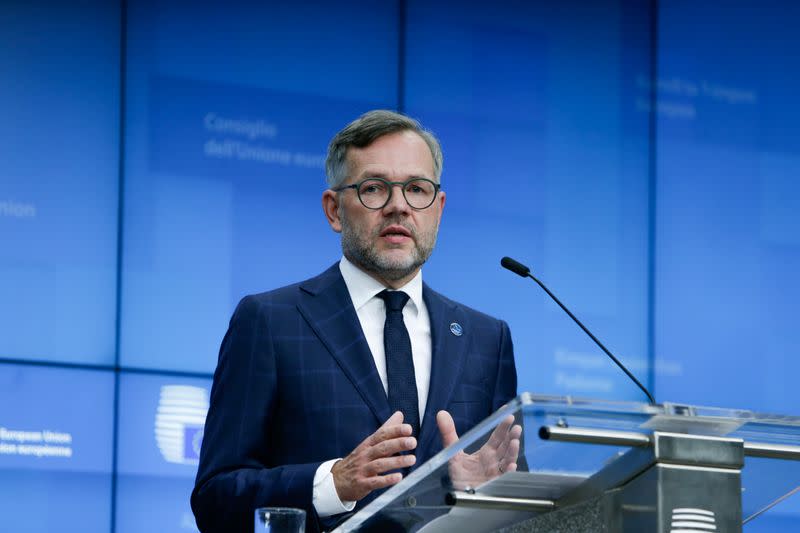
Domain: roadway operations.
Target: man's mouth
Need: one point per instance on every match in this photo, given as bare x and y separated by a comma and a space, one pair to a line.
396, 234
395, 229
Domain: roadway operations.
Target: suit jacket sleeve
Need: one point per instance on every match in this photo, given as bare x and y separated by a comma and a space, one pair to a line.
505, 387
235, 474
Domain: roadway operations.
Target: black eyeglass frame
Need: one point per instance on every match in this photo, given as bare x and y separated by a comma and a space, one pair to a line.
402, 184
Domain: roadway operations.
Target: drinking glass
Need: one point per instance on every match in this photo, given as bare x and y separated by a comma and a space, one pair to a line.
280, 520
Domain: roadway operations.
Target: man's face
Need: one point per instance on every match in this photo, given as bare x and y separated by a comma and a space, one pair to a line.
390, 243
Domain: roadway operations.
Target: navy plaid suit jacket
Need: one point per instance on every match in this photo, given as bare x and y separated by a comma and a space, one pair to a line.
296, 385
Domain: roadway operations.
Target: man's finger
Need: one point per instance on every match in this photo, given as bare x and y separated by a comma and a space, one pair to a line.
390, 447
393, 427
511, 467
447, 428
503, 449
500, 433
512, 453
380, 482
396, 418
385, 464
388, 433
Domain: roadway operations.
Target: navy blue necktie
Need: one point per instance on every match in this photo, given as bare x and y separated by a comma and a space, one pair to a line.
399, 362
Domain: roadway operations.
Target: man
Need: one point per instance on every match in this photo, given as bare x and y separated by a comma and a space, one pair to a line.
328, 391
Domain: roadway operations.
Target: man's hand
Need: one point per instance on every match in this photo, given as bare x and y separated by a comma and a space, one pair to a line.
359, 473
497, 456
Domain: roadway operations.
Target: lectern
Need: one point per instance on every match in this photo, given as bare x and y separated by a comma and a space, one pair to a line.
587, 466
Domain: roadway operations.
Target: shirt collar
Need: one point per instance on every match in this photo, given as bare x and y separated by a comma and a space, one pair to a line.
363, 287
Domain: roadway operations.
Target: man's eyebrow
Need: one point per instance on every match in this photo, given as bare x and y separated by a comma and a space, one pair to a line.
374, 174
384, 175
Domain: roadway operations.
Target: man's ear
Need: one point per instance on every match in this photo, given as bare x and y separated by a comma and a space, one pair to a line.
440, 199
330, 205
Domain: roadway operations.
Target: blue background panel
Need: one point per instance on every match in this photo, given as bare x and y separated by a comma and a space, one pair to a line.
147, 503
728, 208
213, 210
56, 439
546, 163
159, 434
59, 99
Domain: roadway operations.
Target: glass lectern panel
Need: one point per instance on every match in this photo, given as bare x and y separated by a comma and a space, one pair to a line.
485, 461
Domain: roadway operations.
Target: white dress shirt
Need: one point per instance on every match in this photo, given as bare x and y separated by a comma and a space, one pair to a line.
371, 312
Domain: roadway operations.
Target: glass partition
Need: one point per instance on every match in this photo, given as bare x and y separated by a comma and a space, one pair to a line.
484, 461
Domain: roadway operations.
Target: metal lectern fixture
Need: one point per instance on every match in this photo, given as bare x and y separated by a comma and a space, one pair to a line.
597, 466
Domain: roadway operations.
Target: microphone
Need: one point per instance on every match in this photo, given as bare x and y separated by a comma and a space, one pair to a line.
521, 270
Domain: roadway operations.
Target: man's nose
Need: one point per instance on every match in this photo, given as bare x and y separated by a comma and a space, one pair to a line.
397, 202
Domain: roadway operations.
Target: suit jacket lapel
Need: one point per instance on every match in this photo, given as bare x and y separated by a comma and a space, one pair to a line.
447, 358
326, 306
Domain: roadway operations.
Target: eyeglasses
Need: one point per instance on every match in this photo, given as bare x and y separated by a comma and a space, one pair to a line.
375, 193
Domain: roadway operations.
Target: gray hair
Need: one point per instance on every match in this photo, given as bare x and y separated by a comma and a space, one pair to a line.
364, 130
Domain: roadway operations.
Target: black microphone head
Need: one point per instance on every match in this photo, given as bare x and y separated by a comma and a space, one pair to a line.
515, 267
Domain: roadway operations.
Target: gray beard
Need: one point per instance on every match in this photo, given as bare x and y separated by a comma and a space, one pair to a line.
357, 248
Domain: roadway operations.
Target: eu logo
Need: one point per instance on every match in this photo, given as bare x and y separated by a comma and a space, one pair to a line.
192, 440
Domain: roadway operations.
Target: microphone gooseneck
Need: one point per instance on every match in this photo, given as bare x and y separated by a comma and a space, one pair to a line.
521, 270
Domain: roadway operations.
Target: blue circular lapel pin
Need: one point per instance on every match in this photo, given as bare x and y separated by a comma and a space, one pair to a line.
456, 329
